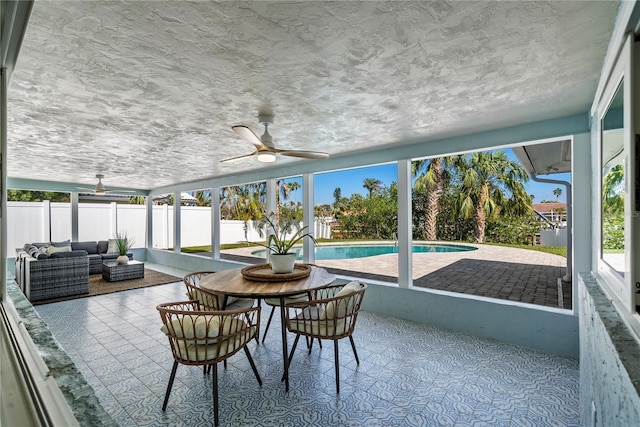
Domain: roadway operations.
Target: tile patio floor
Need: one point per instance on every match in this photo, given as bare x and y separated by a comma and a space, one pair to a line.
409, 374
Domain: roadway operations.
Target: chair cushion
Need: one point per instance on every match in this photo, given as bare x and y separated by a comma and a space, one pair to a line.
206, 300
238, 303
198, 352
203, 326
295, 298
325, 328
330, 310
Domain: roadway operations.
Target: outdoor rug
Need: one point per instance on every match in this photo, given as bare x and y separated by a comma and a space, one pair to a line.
99, 286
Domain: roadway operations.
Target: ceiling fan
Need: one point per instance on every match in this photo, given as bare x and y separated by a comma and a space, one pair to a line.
99, 189
265, 150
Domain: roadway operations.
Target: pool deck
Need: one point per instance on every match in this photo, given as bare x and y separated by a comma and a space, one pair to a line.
491, 271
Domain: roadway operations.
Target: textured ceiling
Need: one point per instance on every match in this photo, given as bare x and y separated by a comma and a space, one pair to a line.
146, 92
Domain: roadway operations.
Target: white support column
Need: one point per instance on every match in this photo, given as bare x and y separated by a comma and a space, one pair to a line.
271, 195
166, 237
405, 235
114, 218
271, 207
46, 221
215, 223
308, 247
74, 217
580, 211
176, 221
149, 205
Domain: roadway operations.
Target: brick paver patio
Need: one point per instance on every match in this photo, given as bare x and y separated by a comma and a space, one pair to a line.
490, 271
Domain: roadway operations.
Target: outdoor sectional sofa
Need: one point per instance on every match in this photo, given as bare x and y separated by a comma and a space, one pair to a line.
60, 271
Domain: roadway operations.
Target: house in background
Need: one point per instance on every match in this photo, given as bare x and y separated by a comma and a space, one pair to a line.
555, 214
147, 92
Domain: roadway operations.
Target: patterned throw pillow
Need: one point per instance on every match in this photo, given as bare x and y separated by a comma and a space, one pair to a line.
113, 247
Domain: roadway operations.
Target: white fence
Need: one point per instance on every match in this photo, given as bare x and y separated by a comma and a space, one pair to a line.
553, 237
29, 222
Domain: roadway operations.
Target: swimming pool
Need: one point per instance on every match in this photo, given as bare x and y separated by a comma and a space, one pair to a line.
363, 251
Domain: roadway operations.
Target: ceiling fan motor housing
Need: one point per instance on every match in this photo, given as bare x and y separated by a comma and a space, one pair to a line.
265, 119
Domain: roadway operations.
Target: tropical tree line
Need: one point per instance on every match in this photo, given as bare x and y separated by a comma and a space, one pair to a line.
477, 197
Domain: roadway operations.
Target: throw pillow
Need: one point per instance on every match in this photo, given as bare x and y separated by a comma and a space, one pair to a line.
113, 247
42, 253
330, 309
61, 244
54, 249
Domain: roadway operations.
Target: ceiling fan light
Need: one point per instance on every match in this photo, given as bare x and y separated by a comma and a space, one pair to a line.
267, 157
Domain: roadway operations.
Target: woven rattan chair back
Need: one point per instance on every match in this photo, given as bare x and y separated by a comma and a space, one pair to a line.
205, 337
208, 300
331, 314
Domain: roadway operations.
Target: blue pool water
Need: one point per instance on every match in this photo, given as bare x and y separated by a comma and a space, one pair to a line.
363, 251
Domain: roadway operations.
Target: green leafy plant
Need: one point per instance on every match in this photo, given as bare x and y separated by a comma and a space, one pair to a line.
277, 242
123, 242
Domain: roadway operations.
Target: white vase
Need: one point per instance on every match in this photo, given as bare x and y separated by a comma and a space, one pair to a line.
282, 263
122, 259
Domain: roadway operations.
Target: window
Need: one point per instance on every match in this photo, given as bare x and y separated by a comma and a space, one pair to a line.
618, 212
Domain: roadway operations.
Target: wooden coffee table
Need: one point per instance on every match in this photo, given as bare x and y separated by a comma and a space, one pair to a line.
114, 272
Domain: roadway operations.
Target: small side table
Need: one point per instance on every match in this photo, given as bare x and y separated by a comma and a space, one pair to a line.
114, 272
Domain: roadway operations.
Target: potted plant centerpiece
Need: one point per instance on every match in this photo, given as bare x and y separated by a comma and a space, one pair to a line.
123, 244
280, 257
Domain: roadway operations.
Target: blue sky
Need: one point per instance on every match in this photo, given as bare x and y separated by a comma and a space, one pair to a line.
350, 181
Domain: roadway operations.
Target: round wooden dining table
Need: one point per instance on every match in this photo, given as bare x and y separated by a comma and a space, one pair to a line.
233, 283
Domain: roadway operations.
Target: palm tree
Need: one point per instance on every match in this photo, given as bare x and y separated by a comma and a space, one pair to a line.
557, 192
204, 197
491, 184
432, 176
284, 190
372, 184
613, 190
137, 200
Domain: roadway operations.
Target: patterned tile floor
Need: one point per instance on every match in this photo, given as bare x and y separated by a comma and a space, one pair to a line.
409, 374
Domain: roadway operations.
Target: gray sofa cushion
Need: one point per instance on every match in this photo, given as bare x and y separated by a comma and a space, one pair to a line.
60, 244
103, 245
69, 254
90, 247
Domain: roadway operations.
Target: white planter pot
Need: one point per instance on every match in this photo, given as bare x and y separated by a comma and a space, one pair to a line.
122, 259
282, 263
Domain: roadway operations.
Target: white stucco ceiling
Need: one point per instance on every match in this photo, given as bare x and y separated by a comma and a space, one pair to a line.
146, 92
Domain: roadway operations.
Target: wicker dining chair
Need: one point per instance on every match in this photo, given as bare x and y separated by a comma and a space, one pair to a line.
203, 338
330, 315
212, 300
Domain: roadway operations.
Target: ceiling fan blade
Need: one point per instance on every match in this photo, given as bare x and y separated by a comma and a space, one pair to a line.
87, 189
303, 154
248, 135
239, 157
